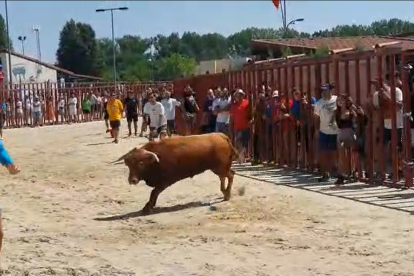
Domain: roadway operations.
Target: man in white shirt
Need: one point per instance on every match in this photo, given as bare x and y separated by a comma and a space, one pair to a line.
73, 108
385, 93
328, 130
221, 108
37, 111
156, 115
169, 106
94, 105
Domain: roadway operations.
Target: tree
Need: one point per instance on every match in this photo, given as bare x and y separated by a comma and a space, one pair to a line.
176, 66
165, 57
3, 34
78, 49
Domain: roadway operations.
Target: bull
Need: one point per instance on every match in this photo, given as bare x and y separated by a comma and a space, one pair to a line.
162, 163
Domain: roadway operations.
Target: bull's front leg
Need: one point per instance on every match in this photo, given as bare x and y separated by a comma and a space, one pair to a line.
153, 200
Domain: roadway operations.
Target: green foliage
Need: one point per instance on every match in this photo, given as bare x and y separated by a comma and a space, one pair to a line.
3, 34
359, 47
320, 52
168, 57
286, 51
78, 49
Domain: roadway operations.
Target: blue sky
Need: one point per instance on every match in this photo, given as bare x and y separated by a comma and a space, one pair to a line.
148, 18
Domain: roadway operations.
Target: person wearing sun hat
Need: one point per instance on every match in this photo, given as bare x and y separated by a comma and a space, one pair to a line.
328, 130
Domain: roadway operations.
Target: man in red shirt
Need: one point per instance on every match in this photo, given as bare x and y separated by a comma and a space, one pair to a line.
240, 115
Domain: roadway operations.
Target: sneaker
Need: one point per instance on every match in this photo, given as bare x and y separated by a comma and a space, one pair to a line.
340, 180
324, 178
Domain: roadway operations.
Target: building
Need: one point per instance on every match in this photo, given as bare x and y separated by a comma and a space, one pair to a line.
29, 70
220, 65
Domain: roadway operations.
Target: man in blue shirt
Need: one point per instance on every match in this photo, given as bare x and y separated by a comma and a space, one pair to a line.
299, 105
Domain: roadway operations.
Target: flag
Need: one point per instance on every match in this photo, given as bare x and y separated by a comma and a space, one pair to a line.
277, 4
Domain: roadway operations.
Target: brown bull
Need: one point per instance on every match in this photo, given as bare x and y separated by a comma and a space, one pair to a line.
163, 163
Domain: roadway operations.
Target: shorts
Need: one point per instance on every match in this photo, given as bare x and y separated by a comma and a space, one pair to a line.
86, 111
222, 127
37, 115
133, 117
327, 142
61, 111
190, 118
115, 124
73, 112
106, 115
243, 137
171, 127
387, 137
347, 137
156, 131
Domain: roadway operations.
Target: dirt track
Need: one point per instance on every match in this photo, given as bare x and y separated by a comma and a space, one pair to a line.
49, 213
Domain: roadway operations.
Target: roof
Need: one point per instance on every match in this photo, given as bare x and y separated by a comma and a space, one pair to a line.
48, 65
333, 43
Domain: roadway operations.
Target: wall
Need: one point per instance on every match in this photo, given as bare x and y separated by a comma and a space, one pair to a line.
26, 71
218, 65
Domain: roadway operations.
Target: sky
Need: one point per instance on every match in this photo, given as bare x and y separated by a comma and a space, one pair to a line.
148, 18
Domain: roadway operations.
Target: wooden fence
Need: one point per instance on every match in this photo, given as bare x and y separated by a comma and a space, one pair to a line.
52, 93
351, 71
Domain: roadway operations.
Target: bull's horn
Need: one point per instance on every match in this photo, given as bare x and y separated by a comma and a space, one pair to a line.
120, 158
153, 155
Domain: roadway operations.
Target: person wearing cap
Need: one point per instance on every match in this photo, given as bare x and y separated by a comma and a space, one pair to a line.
241, 118
328, 130
115, 109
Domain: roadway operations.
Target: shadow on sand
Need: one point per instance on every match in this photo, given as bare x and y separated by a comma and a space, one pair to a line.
381, 196
159, 210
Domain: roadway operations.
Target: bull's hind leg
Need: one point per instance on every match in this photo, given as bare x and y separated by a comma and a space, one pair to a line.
223, 175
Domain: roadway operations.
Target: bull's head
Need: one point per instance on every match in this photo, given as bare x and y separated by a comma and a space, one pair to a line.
137, 160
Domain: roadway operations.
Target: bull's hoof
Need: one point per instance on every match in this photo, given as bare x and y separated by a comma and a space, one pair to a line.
146, 211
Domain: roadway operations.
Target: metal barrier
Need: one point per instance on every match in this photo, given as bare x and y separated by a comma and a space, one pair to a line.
21, 96
351, 71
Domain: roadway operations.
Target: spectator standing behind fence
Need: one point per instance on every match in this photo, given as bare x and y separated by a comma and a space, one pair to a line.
37, 111
156, 117
170, 104
19, 112
86, 108
221, 107
299, 112
190, 109
94, 105
50, 110
115, 109
73, 108
145, 118
242, 119
61, 109
29, 109
327, 140
345, 115
208, 122
131, 110
382, 100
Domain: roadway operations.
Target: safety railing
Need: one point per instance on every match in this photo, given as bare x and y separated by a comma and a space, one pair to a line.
292, 143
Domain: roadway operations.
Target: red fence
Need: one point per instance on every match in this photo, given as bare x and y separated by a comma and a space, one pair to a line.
351, 71
22, 95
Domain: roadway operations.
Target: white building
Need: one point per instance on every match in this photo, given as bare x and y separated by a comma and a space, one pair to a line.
26, 69
220, 65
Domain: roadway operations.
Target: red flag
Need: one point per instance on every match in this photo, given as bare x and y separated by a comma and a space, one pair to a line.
276, 3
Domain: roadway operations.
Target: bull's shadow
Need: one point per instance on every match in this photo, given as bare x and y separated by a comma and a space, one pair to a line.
159, 210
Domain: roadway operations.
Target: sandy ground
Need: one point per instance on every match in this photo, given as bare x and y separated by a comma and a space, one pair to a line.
50, 211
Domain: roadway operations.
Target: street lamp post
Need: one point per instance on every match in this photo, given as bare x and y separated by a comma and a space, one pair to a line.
22, 40
113, 36
284, 18
8, 43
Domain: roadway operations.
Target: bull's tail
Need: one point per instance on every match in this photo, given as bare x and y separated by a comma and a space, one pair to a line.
234, 154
